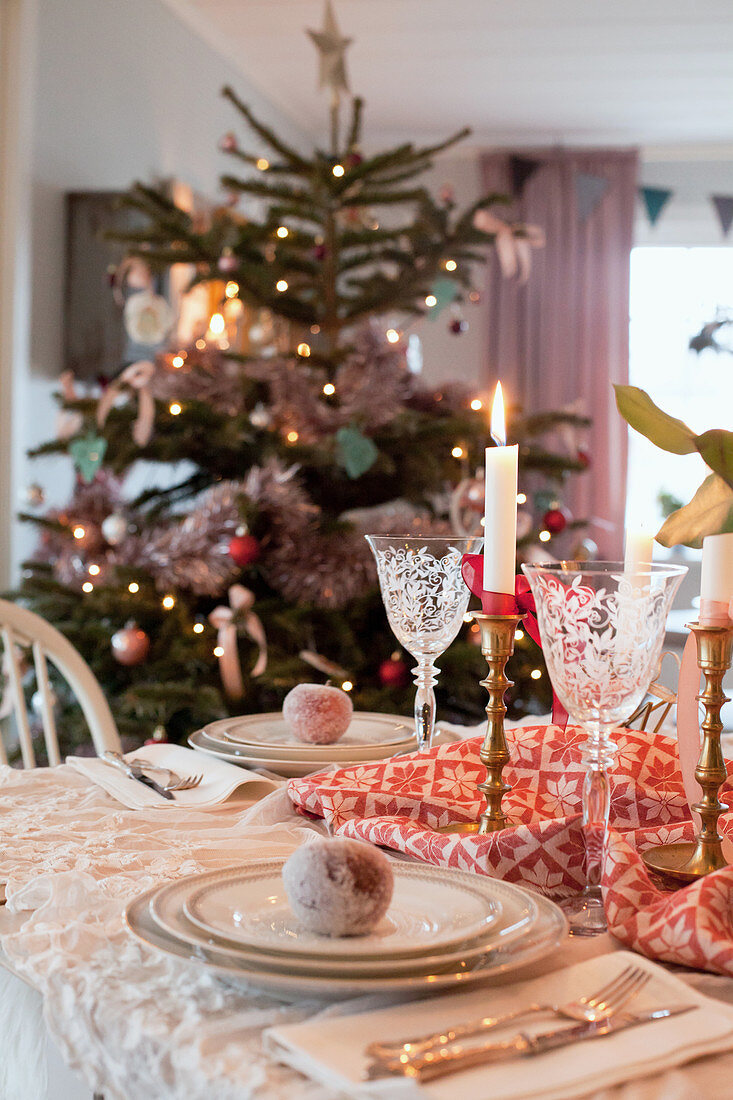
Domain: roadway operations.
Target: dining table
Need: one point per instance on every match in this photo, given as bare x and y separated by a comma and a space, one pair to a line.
130, 1021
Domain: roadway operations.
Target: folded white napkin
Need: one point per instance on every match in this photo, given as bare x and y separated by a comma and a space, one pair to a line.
331, 1050
220, 779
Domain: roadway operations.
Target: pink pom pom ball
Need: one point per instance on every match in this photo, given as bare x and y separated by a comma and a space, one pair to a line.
338, 887
317, 714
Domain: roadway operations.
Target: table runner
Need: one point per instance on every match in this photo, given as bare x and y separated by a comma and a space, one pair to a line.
134, 1022
399, 805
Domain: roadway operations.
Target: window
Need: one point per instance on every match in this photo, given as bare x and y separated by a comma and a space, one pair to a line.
674, 292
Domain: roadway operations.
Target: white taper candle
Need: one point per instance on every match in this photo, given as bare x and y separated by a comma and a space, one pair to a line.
500, 515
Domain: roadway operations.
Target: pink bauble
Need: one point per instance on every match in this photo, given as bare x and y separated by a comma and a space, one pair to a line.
317, 714
227, 262
130, 646
228, 142
338, 887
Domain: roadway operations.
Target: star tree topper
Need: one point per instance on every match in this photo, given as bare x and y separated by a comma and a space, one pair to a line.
332, 49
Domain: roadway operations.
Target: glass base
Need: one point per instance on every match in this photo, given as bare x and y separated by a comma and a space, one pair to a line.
586, 915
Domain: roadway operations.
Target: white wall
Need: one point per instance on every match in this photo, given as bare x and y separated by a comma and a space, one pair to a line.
123, 91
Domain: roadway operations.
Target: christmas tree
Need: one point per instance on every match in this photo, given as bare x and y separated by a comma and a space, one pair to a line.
289, 401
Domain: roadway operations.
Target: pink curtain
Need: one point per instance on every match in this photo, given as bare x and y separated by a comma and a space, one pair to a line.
565, 334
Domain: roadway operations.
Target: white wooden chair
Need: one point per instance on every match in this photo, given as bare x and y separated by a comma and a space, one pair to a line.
22, 628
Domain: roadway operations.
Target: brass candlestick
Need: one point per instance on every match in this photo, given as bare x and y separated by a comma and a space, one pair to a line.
689, 861
497, 646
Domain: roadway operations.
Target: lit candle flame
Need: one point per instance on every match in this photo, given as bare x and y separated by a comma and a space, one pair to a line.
498, 424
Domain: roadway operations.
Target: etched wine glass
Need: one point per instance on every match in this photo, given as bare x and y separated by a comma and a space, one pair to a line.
602, 627
426, 598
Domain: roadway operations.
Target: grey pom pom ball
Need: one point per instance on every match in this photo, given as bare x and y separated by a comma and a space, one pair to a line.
338, 887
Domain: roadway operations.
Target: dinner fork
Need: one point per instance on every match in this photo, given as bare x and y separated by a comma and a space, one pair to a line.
173, 783
591, 1009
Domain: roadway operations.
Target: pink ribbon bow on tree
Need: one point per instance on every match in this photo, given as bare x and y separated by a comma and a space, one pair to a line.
504, 603
241, 602
137, 376
513, 244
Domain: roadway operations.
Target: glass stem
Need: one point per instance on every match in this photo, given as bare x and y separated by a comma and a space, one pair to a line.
426, 677
598, 756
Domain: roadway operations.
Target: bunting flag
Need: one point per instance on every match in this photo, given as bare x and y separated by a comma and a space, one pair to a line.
522, 169
724, 209
589, 190
655, 199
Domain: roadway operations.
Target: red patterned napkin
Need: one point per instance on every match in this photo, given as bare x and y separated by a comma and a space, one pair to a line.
398, 804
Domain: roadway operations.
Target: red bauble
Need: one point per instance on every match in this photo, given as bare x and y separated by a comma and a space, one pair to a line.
244, 550
130, 646
319, 252
394, 673
556, 520
354, 159
228, 142
457, 326
584, 459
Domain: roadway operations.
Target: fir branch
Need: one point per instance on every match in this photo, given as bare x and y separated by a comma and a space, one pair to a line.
386, 198
357, 108
293, 158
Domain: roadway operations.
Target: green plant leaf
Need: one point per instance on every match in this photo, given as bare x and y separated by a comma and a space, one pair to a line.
667, 432
710, 512
716, 447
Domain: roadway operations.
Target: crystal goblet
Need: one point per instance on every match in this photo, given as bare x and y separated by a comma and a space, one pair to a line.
602, 627
426, 598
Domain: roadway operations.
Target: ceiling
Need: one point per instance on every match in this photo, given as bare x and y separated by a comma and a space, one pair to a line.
648, 72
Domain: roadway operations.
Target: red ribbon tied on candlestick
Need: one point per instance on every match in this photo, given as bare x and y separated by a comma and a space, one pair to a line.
521, 602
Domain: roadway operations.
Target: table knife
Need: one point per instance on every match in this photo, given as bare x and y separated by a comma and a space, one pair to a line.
132, 771
438, 1062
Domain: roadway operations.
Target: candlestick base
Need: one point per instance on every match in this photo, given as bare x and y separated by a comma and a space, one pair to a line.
689, 861
497, 646
683, 862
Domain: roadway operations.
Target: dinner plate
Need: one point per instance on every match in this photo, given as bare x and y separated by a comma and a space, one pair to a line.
369, 754
269, 734
431, 910
548, 931
518, 917
294, 769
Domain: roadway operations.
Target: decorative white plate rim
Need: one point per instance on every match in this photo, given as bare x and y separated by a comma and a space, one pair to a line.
550, 930
475, 912
517, 921
368, 755
296, 769
399, 731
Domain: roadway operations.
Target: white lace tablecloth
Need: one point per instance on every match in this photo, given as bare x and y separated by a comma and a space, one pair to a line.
134, 1022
